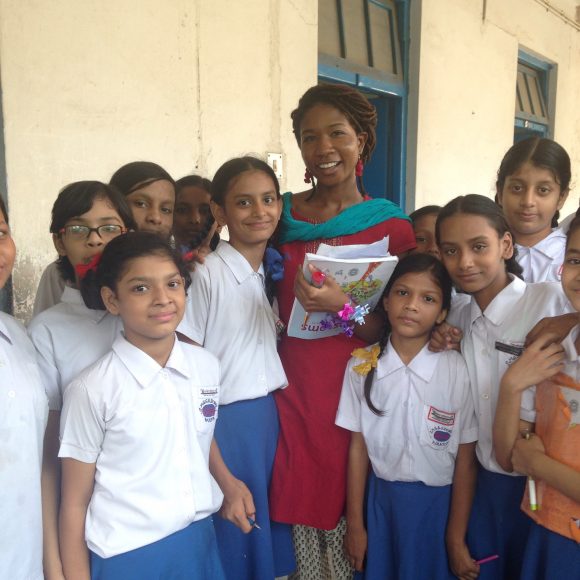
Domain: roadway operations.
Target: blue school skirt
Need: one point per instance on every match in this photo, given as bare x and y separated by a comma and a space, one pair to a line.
247, 435
406, 524
190, 554
550, 555
497, 525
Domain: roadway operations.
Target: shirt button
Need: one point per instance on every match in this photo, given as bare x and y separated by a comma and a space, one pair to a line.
11, 394
485, 396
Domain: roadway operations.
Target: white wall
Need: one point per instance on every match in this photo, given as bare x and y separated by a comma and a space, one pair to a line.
89, 86
463, 90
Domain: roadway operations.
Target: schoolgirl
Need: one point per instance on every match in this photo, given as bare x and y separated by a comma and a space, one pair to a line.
533, 182
230, 315
193, 222
423, 220
150, 194
411, 413
476, 246
551, 456
23, 415
68, 337
136, 431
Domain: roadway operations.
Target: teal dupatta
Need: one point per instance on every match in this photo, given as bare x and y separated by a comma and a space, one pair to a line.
351, 220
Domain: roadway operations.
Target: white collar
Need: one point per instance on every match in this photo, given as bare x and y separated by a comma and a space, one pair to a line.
569, 344
423, 364
545, 246
4, 332
502, 305
238, 265
143, 368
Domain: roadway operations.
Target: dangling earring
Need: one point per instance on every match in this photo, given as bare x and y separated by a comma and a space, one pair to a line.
359, 168
307, 177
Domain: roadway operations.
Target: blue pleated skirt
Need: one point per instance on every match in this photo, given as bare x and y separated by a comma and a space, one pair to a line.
550, 555
497, 525
247, 435
406, 524
190, 554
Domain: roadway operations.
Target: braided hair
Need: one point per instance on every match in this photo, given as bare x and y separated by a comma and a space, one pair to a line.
413, 264
360, 113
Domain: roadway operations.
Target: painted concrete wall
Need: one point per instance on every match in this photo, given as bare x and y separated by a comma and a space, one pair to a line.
89, 86
463, 83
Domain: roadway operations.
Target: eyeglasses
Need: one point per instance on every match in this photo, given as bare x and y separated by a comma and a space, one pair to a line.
105, 232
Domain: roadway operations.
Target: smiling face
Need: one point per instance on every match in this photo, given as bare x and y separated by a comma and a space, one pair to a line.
571, 270
474, 255
424, 228
191, 213
150, 299
530, 197
414, 306
80, 250
152, 207
7, 250
251, 209
330, 145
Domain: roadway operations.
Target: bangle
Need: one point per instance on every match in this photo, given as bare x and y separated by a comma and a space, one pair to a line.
346, 318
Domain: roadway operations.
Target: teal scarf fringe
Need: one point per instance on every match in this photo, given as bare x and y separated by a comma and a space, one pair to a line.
351, 220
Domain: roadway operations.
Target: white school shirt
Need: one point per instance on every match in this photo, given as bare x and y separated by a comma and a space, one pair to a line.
543, 262
149, 430
228, 312
507, 319
23, 415
428, 411
68, 338
50, 289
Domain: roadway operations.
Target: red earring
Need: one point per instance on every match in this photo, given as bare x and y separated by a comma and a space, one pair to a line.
307, 177
359, 168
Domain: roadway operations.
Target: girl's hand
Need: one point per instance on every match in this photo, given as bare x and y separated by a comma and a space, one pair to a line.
525, 452
355, 546
238, 505
461, 563
199, 254
558, 326
539, 361
328, 298
445, 337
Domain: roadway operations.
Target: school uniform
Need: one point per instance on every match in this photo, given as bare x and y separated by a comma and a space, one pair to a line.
553, 548
68, 338
50, 289
543, 261
148, 429
23, 416
497, 526
229, 314
428, 412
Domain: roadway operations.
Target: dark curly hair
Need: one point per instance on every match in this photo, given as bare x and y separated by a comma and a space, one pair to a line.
360, 113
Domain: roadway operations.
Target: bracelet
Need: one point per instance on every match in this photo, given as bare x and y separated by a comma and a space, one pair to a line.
346, 318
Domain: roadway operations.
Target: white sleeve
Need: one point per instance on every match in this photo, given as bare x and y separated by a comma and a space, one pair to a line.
82, 426
194, 323
348, 415
42, 339
468, 428
50, 289
528, 405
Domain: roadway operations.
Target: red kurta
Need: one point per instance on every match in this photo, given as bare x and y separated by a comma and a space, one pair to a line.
309, 480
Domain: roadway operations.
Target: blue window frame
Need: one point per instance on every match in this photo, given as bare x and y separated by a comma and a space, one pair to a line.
364, 43
534, 101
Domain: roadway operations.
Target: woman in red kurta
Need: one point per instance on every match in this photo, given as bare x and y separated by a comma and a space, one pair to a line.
335, 129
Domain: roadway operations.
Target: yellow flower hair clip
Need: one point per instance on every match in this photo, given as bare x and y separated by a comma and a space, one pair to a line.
370, 356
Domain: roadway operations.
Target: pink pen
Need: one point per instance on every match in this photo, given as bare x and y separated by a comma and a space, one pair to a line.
488, 559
